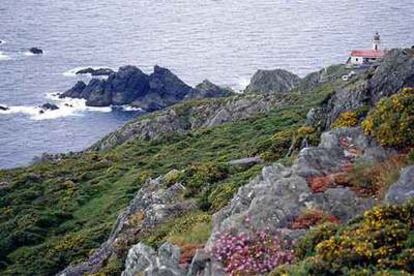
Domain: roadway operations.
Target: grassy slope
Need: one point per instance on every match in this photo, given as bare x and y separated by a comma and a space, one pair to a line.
54, 213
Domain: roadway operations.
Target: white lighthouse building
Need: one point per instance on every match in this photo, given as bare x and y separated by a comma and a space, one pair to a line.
360, 58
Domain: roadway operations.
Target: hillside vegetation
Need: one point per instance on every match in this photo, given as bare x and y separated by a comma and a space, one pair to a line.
54, 213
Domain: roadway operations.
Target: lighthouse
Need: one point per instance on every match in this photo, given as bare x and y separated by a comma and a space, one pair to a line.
368, 57
376, 43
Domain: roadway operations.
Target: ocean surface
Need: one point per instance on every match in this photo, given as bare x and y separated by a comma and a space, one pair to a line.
225, 41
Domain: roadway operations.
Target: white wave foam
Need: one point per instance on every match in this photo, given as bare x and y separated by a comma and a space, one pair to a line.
4, 56
241, 84
67, 107
129, 108
28, 54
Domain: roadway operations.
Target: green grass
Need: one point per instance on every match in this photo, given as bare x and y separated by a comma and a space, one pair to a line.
55, 213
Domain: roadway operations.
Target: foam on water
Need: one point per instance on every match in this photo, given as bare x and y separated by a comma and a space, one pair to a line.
129, 108
3, 56
28, 54
67, 107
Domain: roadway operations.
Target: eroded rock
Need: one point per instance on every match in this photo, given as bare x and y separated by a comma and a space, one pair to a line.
403, 189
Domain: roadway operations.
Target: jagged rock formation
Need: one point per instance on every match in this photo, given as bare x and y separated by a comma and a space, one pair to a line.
185, 117
150, 92
275, 197
267, 81
403, 189
151, 206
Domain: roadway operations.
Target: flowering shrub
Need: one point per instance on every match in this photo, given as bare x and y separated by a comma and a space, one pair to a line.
250, 255
391, 121
346, 119
382, 239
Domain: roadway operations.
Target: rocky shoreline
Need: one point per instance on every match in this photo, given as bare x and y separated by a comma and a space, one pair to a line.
129, 85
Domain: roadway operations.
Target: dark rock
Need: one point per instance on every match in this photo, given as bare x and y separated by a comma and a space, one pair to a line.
207, 89
97, 94
403, 189
36, 51
76, 91
127, 84
3, 108
49, 106
96, 72
267, 81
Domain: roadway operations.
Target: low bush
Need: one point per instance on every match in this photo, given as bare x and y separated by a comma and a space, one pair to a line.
381, 240
391, 122
252, 254
346, 119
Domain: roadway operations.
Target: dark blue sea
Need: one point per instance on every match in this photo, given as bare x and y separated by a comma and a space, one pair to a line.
225, 41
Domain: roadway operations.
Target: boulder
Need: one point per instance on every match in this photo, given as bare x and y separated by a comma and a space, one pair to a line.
95, 72
49, 106
3, 108
76, 91
207, 89
143, 260
97, 93
36, 51
272, 81
127, 84
403, 189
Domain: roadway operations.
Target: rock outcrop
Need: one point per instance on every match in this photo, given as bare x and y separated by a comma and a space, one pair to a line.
49, 106
280, 193
95, 72
143, 260
403, 189
152, 205
272, 81
129, 85
182, 118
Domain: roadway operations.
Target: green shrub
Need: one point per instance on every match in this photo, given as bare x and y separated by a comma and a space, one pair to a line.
380, 241
346, 119
391, 122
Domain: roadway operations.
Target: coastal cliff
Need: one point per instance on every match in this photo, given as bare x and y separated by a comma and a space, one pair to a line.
312, 177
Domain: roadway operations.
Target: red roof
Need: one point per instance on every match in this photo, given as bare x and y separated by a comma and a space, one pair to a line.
368, 53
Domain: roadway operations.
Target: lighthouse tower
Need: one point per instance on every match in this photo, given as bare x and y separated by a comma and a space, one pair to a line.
376, 43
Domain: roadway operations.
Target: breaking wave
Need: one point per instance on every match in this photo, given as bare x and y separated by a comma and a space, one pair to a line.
67, 107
